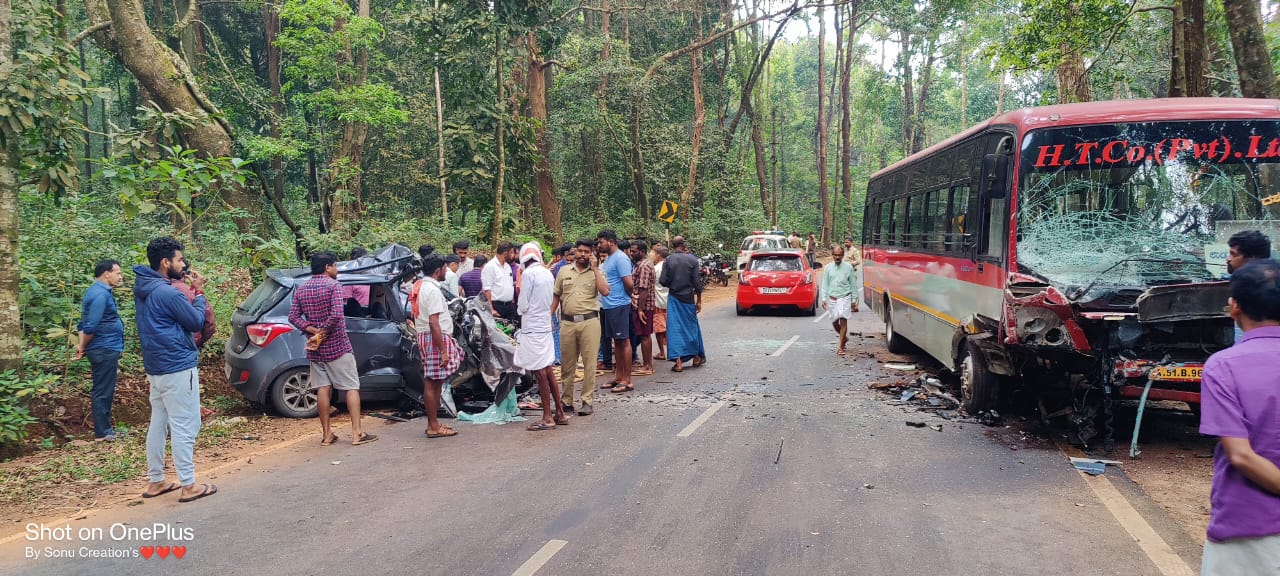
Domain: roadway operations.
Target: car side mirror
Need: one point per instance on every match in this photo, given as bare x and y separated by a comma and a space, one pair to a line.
995, 176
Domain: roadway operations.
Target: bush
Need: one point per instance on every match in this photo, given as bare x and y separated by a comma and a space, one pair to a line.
15, 393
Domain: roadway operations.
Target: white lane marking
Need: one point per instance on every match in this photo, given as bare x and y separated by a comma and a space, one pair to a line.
701, 419
784, 347
1163, 556
531, 566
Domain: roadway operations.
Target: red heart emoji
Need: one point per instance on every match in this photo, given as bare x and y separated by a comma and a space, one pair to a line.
147, 551
163, 551
179, 552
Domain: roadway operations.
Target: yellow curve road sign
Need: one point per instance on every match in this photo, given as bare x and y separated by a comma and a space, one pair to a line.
668, 211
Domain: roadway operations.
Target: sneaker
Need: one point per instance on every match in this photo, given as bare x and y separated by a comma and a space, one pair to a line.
585, 409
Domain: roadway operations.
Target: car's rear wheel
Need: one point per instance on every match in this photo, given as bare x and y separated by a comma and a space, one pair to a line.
292, 396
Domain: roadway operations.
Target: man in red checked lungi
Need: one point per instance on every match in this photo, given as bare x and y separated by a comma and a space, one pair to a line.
441, 355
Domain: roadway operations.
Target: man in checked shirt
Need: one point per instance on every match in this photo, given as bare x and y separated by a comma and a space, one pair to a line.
316, 310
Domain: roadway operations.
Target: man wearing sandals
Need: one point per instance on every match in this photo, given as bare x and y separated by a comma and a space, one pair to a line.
837, 295
441, 354
535, 346
683, 278
165, 321
615, 309
316, 310
643, 306
577, 291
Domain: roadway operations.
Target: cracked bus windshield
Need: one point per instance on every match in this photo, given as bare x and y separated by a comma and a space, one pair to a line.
1143, 204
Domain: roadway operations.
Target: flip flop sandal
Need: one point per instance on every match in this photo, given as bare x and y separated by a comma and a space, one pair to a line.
611, 384
330, 440
562, 421
642, 372
677, 368
622, 389
443, 433
168, 489
209, 490
363, 439
539, 427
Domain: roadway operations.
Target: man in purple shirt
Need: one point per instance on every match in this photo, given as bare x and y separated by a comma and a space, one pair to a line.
316, 310
1240, 399
470, 282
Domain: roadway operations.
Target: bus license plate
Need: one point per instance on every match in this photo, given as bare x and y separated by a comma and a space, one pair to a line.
773, 290
1177, 373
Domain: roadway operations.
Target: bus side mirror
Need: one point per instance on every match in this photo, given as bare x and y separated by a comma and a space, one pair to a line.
995, 175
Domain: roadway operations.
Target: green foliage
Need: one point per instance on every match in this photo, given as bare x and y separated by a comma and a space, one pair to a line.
16, 393
38, 91
176, 180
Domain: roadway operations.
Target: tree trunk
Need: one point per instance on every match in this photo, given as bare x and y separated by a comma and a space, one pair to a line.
1253, 61
1177, 51
10, 314
757, 145
345, 168
444, 190
496, 231
846, 116
171, 85
637, 163
699, 119
922, 101
1197, 57
908, 91
824, 195
773, 161
542, 175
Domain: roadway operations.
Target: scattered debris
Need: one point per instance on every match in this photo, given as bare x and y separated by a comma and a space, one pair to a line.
989, 418
908, 395
936, 427
900, 367
1090, 467
915, 424
779, 458
880, 385
336, 462
869, 486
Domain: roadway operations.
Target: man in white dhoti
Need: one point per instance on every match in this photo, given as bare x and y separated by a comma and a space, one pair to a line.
837, 295
535, 341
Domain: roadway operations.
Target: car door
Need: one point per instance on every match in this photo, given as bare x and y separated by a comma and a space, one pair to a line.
376, 340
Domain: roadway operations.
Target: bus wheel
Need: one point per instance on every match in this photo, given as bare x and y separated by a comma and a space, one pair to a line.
979, 387
896, 343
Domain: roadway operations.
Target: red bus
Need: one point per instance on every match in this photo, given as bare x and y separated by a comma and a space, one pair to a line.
1078, 247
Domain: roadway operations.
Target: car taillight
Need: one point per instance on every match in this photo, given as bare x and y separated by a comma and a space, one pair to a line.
808, 277
262, 334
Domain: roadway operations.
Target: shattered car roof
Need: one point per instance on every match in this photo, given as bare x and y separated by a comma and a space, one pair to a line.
387, 263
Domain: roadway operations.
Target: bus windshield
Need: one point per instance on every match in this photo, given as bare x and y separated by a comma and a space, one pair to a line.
1143, 204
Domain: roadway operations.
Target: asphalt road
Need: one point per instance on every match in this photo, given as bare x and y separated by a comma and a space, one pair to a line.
800, 470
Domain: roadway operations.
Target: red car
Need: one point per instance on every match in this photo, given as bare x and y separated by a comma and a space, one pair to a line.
778, 279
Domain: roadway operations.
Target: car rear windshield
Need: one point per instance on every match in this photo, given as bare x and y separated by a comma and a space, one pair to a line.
776, 264
263, 298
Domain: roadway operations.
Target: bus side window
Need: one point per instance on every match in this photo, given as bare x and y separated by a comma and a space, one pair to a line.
936, 214
894, 223
958, 225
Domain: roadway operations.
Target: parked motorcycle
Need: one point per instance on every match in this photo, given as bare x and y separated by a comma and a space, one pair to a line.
714, 269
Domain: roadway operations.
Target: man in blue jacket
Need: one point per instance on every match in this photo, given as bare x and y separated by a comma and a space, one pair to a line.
102, 340
166, 320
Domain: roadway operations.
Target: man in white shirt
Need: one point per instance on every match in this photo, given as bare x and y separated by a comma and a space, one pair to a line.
499, 287
441, 354
535, 346
451, 275
462, 249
